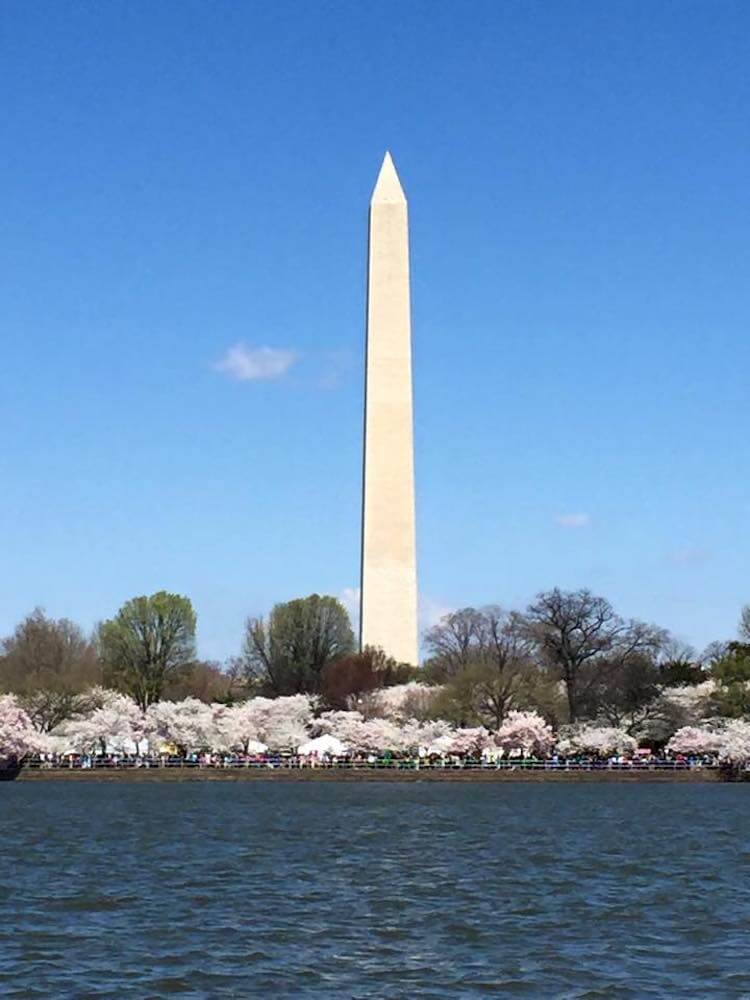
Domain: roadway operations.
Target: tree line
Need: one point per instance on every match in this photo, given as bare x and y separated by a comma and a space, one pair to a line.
568, 656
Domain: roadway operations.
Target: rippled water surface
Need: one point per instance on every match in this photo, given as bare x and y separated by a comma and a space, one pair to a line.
273, 890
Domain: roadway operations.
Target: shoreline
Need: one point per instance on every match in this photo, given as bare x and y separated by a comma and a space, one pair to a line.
149, 774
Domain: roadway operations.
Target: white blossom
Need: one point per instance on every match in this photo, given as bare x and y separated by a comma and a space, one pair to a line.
697, 740
283, 723
236, 727
735, 742
525, 731
17, 734
115, 728
188, 724
729, 740
473, 741
399, 702
603, 741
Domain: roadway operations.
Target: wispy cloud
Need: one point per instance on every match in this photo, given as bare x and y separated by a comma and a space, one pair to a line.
431, 611
349, 597
254, 363
573, 520
336, 368
688, 557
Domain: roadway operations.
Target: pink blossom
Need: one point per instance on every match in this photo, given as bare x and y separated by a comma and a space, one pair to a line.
17, 734
730, 741
697, 740
525, 731
399, 702
472, 742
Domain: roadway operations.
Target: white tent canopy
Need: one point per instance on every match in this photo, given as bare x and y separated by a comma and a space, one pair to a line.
439, 747
322, 746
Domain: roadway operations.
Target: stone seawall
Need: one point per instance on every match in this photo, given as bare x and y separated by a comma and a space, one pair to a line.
374, 774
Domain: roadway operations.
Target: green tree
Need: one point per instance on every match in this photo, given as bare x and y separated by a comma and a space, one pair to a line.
149, 642
681, 672
48, 664
679, 665
732, 675
287, 653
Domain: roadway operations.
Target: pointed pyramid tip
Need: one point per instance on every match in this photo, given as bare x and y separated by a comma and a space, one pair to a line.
388, 187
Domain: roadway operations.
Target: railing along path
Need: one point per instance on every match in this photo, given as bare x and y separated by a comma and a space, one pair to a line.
358, 765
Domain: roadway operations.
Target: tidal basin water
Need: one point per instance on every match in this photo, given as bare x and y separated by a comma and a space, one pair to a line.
264, 889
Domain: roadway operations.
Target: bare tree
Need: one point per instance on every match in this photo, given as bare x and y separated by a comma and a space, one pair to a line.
622, 691
49, 664
351, 677
205, 680
745, 624
454, 642
575, 629
482, 657
679, 664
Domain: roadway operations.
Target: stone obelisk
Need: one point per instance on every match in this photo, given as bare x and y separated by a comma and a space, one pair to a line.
388, 611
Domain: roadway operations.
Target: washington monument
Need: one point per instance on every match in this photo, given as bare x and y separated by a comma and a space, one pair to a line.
388, 611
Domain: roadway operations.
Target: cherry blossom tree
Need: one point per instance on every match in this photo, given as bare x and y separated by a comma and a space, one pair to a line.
691, 701
440, 746
360, 735
676, 707
734, 747
729, 741
18, 738
695, 741
188, 724
399, 702
237, 727
282, 723
116, 726
470, 742
432, 731
525, 731
407, 737
379, 735
599, 741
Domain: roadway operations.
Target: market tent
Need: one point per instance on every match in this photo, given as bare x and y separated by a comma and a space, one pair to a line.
322, 746
439, 747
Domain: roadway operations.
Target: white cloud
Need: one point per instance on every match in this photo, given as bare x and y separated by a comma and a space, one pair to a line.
252, 363
578, 520
431, 611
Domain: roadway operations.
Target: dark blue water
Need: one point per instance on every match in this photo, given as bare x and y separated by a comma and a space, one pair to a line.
374, 890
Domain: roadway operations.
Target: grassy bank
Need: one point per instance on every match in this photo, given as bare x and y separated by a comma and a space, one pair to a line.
374, 774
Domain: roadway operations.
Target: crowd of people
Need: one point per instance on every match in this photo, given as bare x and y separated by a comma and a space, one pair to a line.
268, 760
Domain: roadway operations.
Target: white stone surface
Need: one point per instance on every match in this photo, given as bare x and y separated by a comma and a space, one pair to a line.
389, 574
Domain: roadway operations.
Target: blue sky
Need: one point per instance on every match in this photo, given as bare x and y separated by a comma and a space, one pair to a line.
183, 179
